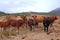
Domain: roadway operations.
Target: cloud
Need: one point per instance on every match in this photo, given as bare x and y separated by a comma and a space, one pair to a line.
28, 5
16, 5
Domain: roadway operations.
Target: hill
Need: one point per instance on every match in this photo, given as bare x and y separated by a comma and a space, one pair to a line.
24, 13
2, 13
55, 11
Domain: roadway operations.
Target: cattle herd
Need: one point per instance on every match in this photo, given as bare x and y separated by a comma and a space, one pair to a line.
33, 21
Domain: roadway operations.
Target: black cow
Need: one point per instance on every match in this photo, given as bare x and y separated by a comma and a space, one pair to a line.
46, 24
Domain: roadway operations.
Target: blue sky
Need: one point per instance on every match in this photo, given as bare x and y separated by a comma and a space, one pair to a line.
13, 6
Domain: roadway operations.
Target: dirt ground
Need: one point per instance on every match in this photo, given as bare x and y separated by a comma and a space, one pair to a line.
37, 33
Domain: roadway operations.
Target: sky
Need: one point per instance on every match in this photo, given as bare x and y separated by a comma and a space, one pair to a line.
14, 6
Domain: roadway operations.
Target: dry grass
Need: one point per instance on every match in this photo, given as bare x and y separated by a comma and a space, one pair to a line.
36, 34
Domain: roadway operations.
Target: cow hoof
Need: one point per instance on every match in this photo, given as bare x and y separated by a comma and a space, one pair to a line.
48, 33
23, 37
57, 39
52, 39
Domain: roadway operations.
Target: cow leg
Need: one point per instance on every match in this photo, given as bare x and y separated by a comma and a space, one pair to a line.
4, 28
30, 28
40, 25
46, 29
47, 26
26, 25
36, 26
17, 29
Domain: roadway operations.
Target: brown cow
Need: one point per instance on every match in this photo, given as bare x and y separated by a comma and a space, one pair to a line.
4, 25
15, 23
52, 19
39, 19
20, 19
24, 20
